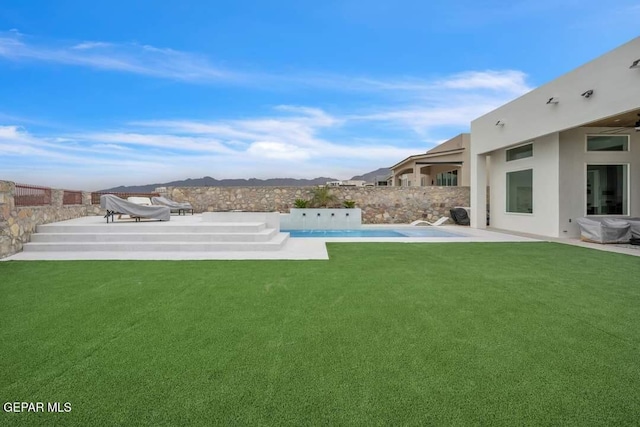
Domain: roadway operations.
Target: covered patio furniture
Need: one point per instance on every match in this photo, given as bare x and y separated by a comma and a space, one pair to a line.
144, 201
182, 208
460, 216
635, 230
115, 205
604, 230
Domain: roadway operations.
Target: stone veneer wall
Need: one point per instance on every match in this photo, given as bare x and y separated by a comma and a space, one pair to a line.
18, 223
380, 205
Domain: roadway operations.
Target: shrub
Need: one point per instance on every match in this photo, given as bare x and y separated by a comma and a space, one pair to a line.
322, 198
301, 203
349, 204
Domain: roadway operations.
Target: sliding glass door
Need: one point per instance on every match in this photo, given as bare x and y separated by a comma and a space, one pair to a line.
607, 190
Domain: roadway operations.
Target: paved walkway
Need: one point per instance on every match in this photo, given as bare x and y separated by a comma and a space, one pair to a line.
627, 249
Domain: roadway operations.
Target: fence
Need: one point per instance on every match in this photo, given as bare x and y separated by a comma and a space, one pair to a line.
31, 195
72, 197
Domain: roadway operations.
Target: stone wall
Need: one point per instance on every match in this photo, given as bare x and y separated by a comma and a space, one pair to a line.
380, 205
17, 223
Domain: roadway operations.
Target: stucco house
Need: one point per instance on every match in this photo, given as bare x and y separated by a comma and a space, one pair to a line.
444, 165
568, 149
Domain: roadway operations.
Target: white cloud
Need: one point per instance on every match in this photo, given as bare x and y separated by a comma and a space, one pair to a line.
406, 115
509, 81
157, 141
288, 144
278, 150
90, 45
172, 64
129, 57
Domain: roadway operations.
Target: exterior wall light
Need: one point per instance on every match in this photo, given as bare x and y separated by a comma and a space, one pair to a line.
588, 93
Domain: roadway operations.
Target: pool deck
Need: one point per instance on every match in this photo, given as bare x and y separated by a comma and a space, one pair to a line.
299, 248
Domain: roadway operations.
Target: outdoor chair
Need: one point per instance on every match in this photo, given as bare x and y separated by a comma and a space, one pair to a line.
435, 223
634, 224
604, 230
143, 201
460, 216
182, 208
115, 205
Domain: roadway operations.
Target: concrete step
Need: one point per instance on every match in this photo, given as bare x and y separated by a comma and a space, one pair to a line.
258, 236
154, 227
276, 243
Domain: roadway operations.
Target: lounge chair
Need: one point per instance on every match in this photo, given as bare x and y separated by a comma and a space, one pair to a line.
143, 201
182, 208
115, 205
435, 223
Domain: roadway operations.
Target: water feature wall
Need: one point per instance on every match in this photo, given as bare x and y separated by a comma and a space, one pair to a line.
321, 219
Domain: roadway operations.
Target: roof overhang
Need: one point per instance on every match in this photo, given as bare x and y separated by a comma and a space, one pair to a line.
439, 163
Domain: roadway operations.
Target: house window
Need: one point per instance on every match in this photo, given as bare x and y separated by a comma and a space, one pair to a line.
520, 191
607, 142
447, 179
607, 190
521, 152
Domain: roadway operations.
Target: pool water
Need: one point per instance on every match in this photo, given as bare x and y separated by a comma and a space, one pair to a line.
422, 232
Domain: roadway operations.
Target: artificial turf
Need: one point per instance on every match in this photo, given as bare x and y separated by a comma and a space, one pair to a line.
381, 334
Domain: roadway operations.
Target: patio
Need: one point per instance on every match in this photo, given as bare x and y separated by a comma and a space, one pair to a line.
292, 248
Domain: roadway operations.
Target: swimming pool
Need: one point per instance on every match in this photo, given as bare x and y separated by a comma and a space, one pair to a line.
421, 232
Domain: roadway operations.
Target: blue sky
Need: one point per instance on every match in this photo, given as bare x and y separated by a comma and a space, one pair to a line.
106, 93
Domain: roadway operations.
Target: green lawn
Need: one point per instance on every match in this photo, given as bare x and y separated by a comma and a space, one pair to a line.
381, 334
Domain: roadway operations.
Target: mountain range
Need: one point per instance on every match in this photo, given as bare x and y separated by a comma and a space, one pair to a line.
208, 181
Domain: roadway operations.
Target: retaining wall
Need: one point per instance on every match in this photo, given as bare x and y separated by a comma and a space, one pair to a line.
17, 223
380, 205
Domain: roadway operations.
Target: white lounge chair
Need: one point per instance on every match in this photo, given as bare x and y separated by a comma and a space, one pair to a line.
435, 223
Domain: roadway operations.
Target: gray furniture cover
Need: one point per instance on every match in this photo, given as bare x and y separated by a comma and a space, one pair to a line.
604, 230
635, 227
115, 205
163, 201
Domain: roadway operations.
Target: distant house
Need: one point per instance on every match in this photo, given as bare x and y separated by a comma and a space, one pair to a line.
347, 183
568, 149
382, 180
444, 165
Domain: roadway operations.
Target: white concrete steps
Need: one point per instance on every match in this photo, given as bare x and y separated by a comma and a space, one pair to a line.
182, 234
260, 236
274, 244
155, 226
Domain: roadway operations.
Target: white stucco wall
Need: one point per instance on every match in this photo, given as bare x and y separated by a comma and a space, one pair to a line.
573, 164
545, 165
616, 90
